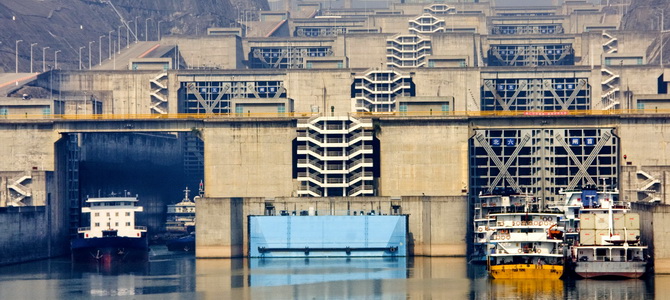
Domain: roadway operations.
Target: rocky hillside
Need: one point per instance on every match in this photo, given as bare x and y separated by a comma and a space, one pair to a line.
66, 25
645, 15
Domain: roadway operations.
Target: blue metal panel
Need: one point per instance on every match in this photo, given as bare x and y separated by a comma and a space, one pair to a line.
327, 236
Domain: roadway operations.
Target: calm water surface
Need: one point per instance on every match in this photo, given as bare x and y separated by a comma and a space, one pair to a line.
181, 276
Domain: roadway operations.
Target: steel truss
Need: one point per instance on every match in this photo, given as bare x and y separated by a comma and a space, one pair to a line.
542, 161
536, 94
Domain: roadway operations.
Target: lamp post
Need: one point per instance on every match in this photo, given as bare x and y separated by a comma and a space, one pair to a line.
136, 33
82, 47
146, 29
44, 61
56, 59
100, 49
16, 52
89, 54
109, 43
118, 32
159, 30
31, 56
128, 34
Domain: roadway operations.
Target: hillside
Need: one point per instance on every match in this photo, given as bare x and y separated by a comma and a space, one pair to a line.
66, 25
645, 15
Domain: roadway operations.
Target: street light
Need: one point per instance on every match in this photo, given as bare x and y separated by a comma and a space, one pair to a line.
146, 29
31, 56
44, 61
118, 32
110, 43
56, 59
159, 30
82, 47
128, 34
100, 49
136, 33
89, 54
16, 52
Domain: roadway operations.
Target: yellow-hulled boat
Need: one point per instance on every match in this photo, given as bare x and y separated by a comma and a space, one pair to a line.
524, 246
526, 271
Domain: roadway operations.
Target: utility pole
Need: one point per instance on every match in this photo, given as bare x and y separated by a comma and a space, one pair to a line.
31, 56
56, 59
44, 61
146, 29
89, 54
110, 44
100, 49
82, 47
16, 52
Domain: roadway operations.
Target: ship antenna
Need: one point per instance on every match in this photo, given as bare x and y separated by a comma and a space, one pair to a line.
186, 194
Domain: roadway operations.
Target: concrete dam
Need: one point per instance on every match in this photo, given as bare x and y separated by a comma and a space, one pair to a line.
395, 113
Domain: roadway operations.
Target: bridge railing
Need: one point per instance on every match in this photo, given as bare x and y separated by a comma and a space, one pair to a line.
353, 114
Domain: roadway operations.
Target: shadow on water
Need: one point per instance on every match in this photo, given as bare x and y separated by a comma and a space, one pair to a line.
180, 276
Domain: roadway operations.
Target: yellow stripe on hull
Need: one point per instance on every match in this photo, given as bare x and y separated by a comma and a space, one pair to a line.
526, 271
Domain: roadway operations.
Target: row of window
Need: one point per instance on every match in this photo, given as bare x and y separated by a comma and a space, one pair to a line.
117, 214
110, 224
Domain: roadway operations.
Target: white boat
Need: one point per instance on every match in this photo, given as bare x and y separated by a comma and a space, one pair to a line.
523, 246
181, 216
604, 233
512, 235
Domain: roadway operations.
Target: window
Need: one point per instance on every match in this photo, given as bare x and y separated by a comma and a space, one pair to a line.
108, 224
127, 223
127, 214
117, 214
340, 65
108, 214
116, 224
640, 105
3, 111
97, 214
96, 225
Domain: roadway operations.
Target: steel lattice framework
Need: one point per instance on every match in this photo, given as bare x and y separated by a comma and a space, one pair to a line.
206, 97
289, 57
531, 55
536, 94
542, 161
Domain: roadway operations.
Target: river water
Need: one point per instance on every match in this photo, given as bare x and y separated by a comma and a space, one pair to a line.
170, 275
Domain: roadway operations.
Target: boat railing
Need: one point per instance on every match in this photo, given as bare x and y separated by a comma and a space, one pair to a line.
141, 228
83, 229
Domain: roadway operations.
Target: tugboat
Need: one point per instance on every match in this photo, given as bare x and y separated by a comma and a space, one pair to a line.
605, 235
112, 235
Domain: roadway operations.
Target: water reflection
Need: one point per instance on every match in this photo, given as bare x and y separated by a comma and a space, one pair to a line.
181, 276
273, 271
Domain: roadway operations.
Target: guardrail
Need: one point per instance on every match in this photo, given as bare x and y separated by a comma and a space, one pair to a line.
352, 114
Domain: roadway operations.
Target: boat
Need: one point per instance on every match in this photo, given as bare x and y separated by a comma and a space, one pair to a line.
184, 243
524, 245
181, 216
515, 238
486, 207
604, 235
112, 235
